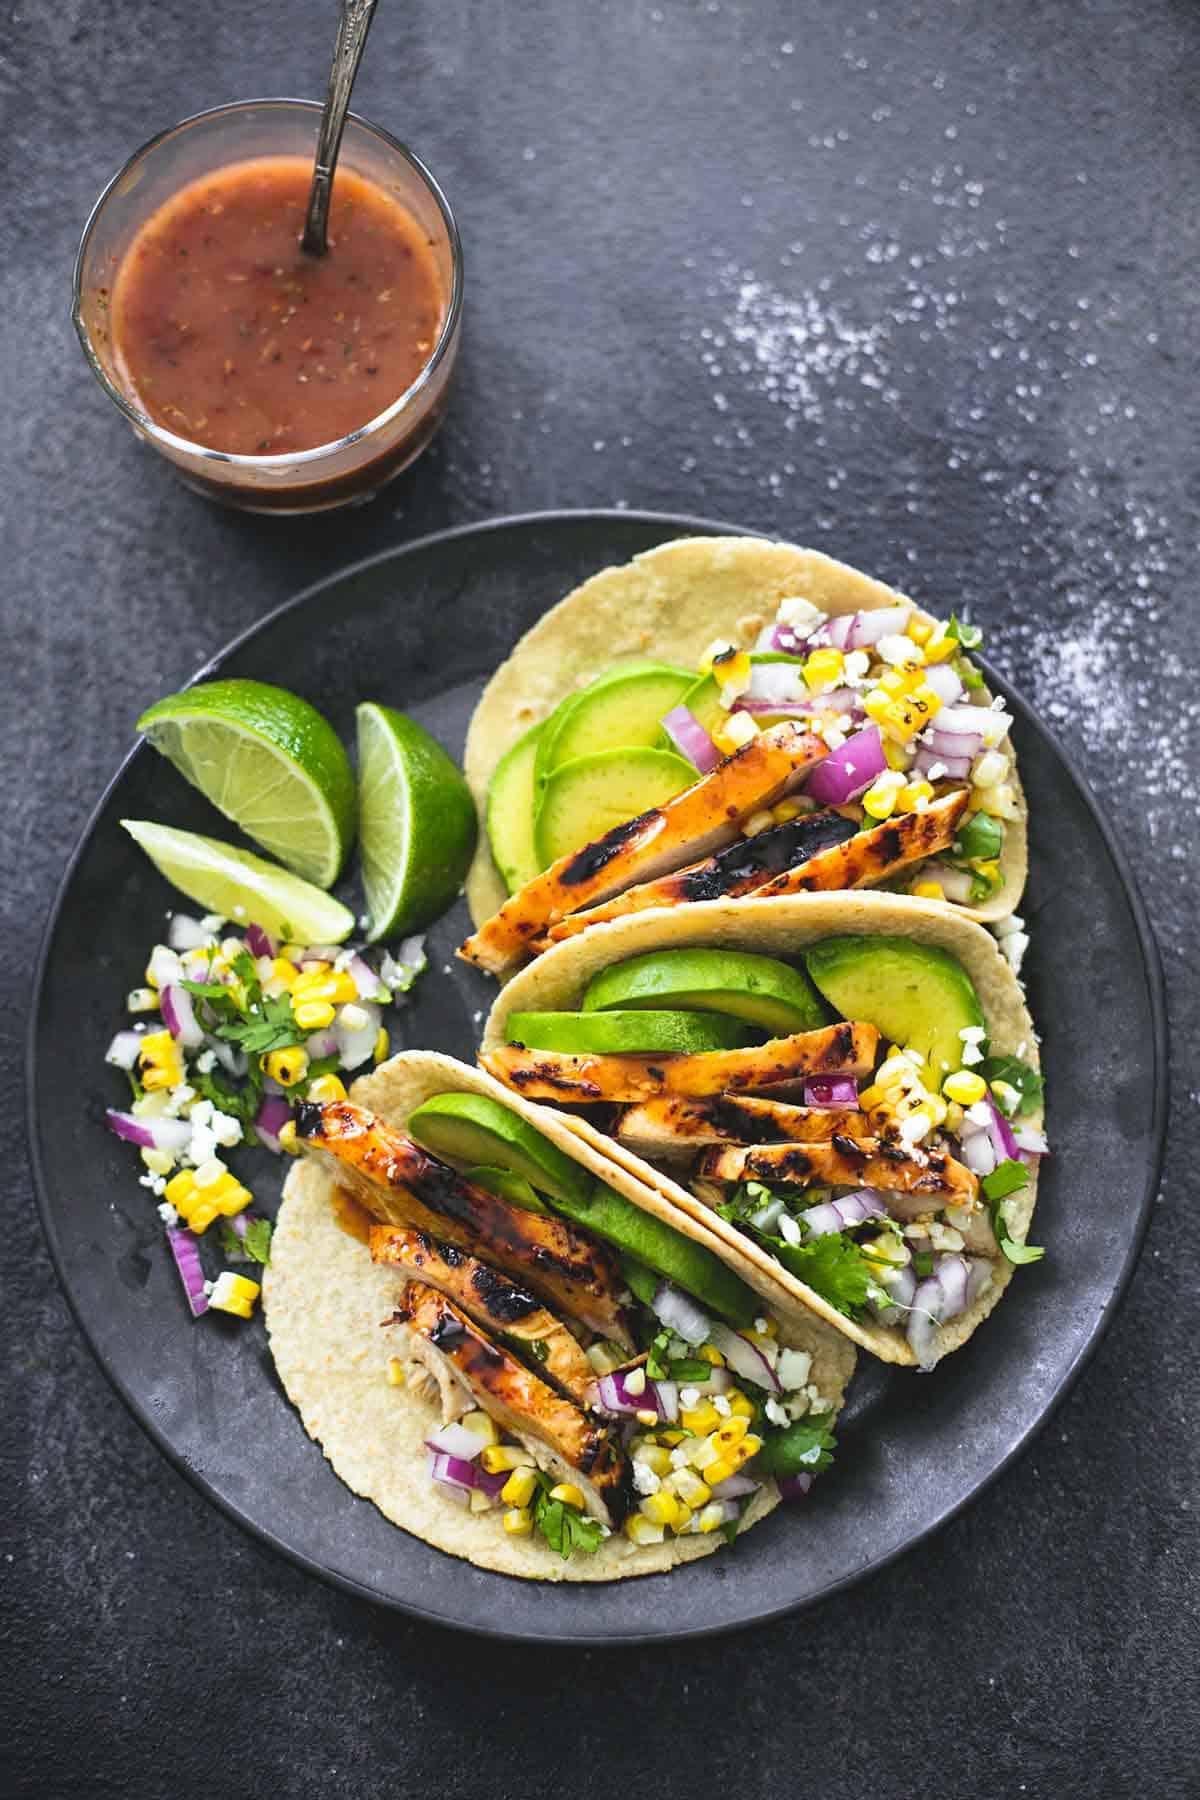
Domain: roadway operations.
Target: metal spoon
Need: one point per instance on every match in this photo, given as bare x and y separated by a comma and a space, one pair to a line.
354, 22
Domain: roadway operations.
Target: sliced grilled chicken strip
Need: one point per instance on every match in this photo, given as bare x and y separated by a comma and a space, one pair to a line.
674, 1129
741, 869
554, 1429
935, 1178
702, 819
496, 1303
545, 1075
401, 1184
874, 856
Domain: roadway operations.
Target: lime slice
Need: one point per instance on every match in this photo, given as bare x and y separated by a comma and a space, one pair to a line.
417, 824
242, 887
268, 761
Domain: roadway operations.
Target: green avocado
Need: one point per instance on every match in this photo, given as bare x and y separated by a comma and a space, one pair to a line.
586, 797
508, 1186
759, 989
620, 709
475, 1129
628, 1033
918, 996
510, 808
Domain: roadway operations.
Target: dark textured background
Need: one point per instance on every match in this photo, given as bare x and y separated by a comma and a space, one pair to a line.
914, 283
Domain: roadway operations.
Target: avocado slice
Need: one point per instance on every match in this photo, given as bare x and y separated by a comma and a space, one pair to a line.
475, 1129
510, 808
508, 1186
586, 797
919, 996
628, 1033
760, 989
622, 708
659, 1247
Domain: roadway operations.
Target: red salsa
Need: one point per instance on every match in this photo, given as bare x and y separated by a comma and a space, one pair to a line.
226, 333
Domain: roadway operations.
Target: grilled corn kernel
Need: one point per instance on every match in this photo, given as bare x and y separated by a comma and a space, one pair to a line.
395, 1372
320, 982
941, 648
740, 1405
287, 1067
711, 1517
641, 1530
314, 1015
383, 1044
568, 1493
518, 1489
661, 1508
701, 1419
731, 1432
234, 1294
965, 1087
287, 1137
655, 1457
710, 1354
738, 729
200, 1195
682, 1519
879, 801
758, 822
914, 796
646, 1417
764, 1328
518, 1521
786, 810
161, 1061
928, 890
823, 669
326, 1088
687, 1485
496, 1458
720, 1470
284, 972
478, 1501
159, 1162
919, 630
905, 710
702, 1453
672, 1438
482, 1425
141, 1000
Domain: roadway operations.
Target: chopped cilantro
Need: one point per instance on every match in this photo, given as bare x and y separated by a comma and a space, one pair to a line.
730, 1530
805, 1445
922, 1263
969, 636
1020, 1076
272, 1027
1008, 1178
967, 673
239, 1102
1004, 1179
1019, 1253
981, 838
563, 1528
657, 1356
832, 1265
689, 1369
254, 1246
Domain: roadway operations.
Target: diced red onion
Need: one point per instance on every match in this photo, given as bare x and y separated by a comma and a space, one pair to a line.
124, 1050
179, 1016
680, 1312
150, 1134
744, 1358
661, 1397
164, 966
848, 772
780, 637
949, 768
233, 1061
980, 1275
354, 1045
952, 1273
273, 1115
924, 1320
490, 1484
982, 722
866, 628
186, 933
795, 1487
734, 1487
455, 1440
320, 1045
978, 1151
840, 1092
690, 739
364, 977
1003, 1142
191, 1272
715, 1382
841, 1215
1031, 1142
441, 1471
954, 883
806, 706
901, 1284
258, 941
953, 746
944, 682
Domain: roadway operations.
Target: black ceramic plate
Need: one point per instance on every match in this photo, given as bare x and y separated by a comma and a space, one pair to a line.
422, 628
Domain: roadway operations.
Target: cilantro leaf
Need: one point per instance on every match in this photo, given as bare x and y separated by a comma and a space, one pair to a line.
253, 1246
1020, 1076
832, 1265
969, 636
805, 1445
239, 1102
730, 1530
981, 838
1006, 1178
564, 1529
271, 1027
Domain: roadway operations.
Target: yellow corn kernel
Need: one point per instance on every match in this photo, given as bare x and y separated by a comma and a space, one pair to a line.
758, 822
710, 1354
159, 1162
320, 982
905, 709
731, 1432
700, 1453
740, 1405
919, 630
568, 1493
871, 1096
914, 796
928, 890
199, 1198
641, 1530
314, 1015
326, 1088
646, 1417
161, 1061
672, 1438
965, 1087
395, 1372
518, 1489
234, 1294
518, 1521
823, 669
741, 1453
941, 648
711, 1518
287, 1137
478, 1501
727, 664
661, 1508
496, 1458
718, 1471
701, 1419
287, 1067
284, 972
897, 757
682, 1519
768, 1328
688, 1487
738, 729
786, 810
141, 1000
655, 1457
954, 1118
383, 1044
879, 802
482, 1425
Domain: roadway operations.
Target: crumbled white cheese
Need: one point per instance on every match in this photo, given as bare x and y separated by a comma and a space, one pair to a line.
935, 771
915, 1127
155, 1183
681, 1456
854, 669
794, 1368
167, 1212
896, 649
833, 736
689, 1397
801, 616
972, 1034
722, 1405
206, 1061
201, 1113
1013, 948
980, 1113
353, 1017
226, 1129
777, 1414
645, 1481
971, 1052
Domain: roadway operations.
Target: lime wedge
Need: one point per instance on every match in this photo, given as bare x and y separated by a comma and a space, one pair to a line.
268, 761
417, 824
242, 887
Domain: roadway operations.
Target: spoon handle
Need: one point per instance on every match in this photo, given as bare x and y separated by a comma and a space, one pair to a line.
354, 22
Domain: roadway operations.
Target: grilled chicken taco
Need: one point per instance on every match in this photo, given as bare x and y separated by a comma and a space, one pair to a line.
520, 1351
725, 717
843, 1089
